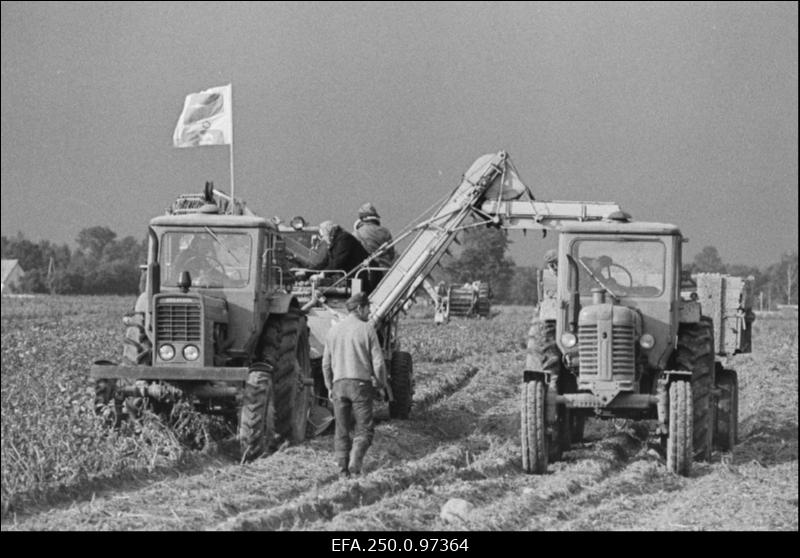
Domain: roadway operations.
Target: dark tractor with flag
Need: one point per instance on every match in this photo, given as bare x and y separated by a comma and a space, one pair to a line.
214, 327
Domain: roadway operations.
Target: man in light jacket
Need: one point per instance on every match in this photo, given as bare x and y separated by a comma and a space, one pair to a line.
353, 369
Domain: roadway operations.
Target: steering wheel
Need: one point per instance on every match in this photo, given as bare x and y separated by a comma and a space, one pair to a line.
196, 262
627, 275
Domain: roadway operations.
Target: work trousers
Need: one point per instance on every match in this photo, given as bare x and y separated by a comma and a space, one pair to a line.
355, 426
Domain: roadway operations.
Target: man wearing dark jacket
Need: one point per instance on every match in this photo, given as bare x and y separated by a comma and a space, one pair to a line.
344, 252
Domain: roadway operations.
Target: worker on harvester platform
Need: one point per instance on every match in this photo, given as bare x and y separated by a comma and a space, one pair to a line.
344, 252
368, 230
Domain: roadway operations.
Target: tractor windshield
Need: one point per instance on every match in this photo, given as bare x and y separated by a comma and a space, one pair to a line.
212, 258
625, 267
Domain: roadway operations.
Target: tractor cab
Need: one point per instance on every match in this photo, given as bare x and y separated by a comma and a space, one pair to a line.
210, 285
617, 306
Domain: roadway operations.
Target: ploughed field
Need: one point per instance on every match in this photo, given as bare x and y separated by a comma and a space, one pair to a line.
62, 470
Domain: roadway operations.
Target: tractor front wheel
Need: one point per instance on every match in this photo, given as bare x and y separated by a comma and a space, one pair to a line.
695, 353
257, 415
534, 429
679, 439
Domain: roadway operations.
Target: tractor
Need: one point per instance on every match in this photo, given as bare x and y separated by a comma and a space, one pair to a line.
613, 337
214, 326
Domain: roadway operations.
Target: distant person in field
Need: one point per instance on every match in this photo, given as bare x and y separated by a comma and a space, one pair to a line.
372, 235
354, 373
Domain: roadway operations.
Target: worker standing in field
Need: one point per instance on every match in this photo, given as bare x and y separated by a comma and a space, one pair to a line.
372, 235
354, 373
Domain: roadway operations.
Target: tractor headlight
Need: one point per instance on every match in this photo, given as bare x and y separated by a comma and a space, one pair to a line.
166, 352
568, 339
190, 352
647, 341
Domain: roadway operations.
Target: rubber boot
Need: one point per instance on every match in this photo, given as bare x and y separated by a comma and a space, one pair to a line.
357, 457
344, 470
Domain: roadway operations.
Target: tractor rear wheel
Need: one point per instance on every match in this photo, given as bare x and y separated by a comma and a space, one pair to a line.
303, 380
679, 439
284, 346
695, 353
257, 415
534, 429
727, 411
401, 380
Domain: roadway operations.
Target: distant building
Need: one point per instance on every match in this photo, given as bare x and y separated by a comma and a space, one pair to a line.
12, 274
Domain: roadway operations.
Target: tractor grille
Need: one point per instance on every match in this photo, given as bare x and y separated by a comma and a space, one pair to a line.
623, 357
587, 349
178, 321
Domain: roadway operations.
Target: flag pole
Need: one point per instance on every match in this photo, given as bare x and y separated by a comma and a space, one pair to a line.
233, 202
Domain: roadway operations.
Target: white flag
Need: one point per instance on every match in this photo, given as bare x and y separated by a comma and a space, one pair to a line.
206, 119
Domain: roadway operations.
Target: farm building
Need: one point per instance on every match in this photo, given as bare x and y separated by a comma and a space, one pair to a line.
12, 274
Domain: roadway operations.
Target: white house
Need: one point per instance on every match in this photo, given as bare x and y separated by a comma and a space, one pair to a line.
12, 274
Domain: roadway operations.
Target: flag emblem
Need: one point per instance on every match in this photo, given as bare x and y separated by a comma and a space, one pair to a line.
206, 119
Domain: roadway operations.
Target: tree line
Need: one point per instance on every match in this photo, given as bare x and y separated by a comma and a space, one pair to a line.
104, 264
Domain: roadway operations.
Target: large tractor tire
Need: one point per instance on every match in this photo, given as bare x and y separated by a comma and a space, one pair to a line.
679, 439
282, 349
534, 430
727, 410
257, 415
695, 353
303, 382
401, 380
544, 356
136, 349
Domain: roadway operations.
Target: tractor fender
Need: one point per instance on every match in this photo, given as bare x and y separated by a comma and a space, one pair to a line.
548, 309
280, 303
142, 303
689, 312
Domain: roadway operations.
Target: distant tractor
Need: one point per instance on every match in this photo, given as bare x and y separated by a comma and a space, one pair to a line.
613, 337
214, 326
470, 300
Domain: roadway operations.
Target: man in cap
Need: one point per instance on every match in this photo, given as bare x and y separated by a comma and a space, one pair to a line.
372, 235
353, 369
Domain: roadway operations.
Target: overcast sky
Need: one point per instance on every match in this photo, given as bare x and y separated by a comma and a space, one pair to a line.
681, 112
